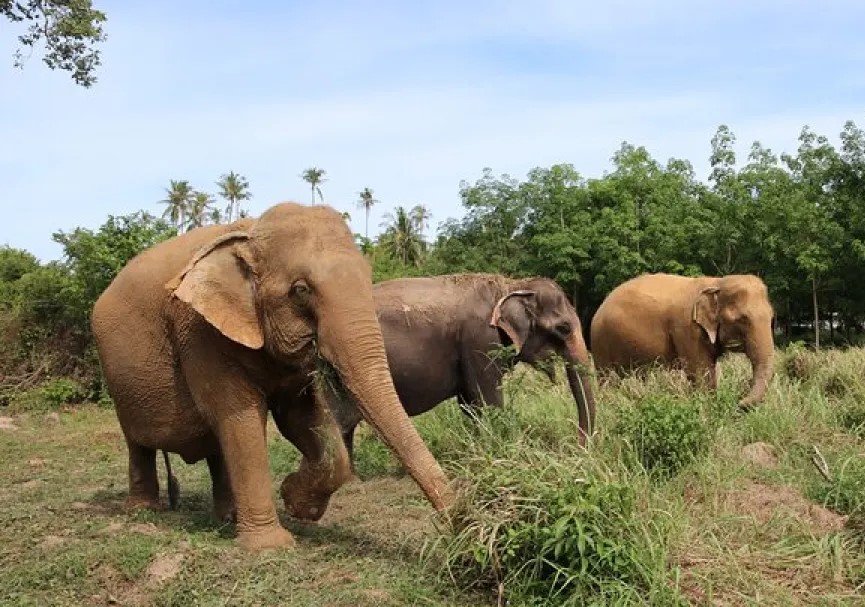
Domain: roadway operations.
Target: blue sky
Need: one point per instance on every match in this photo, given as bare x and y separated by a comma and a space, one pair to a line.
407, 98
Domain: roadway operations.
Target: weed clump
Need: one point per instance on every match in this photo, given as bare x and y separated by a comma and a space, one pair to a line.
797, 362
544, 529
845, 493
664, 433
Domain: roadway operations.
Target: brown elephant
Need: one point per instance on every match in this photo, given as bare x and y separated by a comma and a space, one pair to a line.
441, 335
678, 320
199, 335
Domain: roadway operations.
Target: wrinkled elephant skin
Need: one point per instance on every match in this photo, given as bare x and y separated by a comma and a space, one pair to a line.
442, 335
199, 335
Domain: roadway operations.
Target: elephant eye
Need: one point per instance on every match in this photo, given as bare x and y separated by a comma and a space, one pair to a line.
300, 288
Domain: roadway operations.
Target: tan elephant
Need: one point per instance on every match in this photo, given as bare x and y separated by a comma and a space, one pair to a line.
200, 334
678, 320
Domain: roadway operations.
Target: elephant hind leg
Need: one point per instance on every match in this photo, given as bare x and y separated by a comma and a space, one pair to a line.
143, 482
224, 507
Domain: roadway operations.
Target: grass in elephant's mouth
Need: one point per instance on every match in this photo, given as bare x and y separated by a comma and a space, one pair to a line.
739, 524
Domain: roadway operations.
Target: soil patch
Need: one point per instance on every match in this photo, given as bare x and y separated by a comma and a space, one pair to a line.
760, 454
7, 423
763, 502
165, 567
144, 528
365, 504
51, 541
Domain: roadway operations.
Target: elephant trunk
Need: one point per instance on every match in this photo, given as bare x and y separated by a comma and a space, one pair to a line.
580, 381
760, 349
350, 338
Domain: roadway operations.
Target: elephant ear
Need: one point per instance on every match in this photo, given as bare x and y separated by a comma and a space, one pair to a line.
705, 312
217, 285
510, 315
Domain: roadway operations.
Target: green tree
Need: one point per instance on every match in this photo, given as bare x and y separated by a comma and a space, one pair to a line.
814, 236
234, 189
200, 209
14, 263
402, 238
179, 199
315, 177
486, 238
366, 202
93, 258
69, 31
848, 183
421, 216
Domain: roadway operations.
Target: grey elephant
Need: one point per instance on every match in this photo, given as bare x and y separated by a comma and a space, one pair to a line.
201, 334
687, 321
442, 335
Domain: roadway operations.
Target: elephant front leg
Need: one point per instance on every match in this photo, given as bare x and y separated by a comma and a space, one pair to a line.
244, 449
325, 466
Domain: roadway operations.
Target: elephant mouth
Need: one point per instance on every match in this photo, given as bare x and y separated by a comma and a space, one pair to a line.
735, 345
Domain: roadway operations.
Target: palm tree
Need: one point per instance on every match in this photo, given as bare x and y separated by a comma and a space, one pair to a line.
366, 203
421, 215
402, 237
314, 177
198, 209
178, 200
346, 216
233, 188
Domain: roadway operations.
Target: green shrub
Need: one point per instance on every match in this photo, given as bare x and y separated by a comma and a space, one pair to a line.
53, 394
544, 530
62, 391
665, 433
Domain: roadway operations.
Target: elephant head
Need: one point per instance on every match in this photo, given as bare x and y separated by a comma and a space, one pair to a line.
293, 285
736, 315
539, 320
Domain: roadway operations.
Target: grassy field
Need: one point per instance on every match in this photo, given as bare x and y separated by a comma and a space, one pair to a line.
679, 500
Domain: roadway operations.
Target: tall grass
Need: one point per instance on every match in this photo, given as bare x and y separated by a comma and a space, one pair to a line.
652, 511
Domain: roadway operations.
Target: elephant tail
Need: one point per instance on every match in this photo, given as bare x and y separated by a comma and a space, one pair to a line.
173, 485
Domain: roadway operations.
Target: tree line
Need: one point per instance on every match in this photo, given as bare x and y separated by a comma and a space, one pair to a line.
797, 220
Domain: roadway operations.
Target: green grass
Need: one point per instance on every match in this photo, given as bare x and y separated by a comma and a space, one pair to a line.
666, 507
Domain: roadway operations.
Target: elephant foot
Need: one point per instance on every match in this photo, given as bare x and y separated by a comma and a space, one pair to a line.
269, 538
300, 502
746, 405
141, 502
225, 512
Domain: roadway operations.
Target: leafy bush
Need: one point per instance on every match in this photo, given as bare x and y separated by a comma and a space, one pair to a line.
52, 394
665, 433
545, 530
